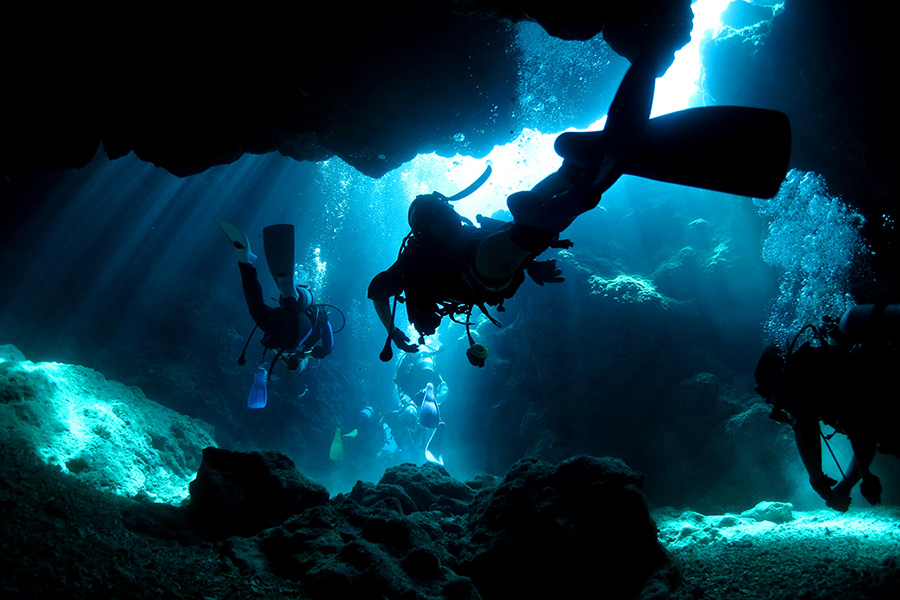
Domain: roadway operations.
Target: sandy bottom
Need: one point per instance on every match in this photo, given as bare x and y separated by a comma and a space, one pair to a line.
816, 554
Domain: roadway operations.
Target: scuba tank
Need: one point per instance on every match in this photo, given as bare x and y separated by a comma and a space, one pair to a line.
871, 321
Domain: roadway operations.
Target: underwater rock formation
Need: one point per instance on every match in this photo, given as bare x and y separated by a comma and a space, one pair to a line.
541, 530
374, 85
789, 60
99, 431
239, 493
584, 521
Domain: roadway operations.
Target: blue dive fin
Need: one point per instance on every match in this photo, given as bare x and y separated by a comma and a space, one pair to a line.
428, 415
258, 394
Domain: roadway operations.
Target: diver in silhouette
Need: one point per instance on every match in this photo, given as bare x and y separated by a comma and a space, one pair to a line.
447, 265
839, 378
297, 328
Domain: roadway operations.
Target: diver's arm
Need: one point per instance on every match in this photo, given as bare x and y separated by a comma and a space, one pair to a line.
383, 286
383, 310
398, 337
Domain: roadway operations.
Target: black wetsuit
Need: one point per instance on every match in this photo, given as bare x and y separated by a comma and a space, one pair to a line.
433, 272
286, 326
845, 389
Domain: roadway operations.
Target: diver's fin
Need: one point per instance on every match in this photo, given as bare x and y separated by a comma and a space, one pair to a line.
734, 149
258, 394
428, 414
433, 449
337, 446
473, 186
278, 243
238, 241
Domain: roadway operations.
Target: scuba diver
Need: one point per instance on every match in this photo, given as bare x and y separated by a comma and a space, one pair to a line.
421, 390
839, 378
297, 328
365, 429
447, 265
413, 427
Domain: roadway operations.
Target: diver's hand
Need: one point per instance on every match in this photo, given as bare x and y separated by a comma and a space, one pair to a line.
402, 341
544, 271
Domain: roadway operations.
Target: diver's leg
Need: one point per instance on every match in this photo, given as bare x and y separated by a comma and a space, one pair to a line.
592, 160
500, 255
497, 258
261, 314
863, 454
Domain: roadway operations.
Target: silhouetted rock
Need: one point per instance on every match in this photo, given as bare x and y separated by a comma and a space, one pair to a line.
376, 86
540, 531
546, 531
242, 493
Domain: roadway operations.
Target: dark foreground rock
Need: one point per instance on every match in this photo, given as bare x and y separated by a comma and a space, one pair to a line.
582, 524
256, 528
242, 493
540, 531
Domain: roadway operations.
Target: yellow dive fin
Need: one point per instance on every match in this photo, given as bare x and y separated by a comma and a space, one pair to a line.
337, 446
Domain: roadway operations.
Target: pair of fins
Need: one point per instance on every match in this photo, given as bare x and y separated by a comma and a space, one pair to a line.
278, 245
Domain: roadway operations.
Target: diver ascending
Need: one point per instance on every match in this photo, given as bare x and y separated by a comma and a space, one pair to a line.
447, 265
297, 328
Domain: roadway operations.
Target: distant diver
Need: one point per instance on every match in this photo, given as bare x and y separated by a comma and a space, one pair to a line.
413, 428
844, 377
421, 390
447, 265
297, 328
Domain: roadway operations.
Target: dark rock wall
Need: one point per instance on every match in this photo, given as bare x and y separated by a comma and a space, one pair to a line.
374, 85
